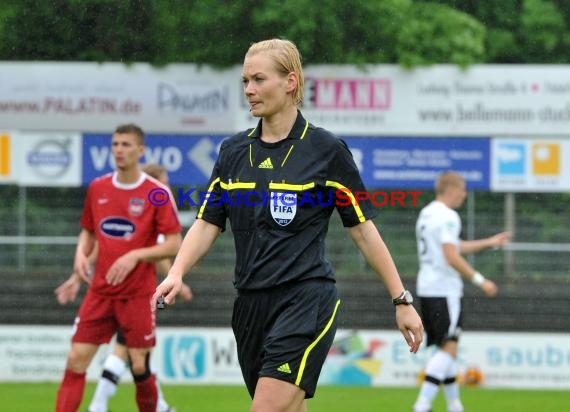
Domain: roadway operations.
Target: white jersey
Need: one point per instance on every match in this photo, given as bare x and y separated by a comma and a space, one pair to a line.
437, 224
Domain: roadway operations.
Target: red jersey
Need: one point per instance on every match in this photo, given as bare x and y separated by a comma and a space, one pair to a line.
123, 219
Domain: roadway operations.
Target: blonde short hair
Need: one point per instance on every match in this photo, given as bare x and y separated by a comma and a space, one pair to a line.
287, 59
153, 170
448, 179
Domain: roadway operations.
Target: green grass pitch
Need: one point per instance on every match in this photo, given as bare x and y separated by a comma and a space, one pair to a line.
32, 397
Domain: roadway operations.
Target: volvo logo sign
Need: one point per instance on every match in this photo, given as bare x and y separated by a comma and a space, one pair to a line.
50, 158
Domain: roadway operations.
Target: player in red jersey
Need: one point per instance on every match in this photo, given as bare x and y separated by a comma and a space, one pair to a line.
119, 216
117, 362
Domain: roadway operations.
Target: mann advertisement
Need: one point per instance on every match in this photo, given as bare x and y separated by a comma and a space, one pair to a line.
443, 100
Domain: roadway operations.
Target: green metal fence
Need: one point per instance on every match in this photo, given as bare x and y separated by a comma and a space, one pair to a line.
38, 229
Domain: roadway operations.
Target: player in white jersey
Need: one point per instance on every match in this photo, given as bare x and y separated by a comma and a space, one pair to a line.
440, 285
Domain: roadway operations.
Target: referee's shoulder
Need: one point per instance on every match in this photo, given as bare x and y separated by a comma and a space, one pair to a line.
239, 139
324, 138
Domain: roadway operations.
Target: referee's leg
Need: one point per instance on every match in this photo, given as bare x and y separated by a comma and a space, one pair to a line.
274, 395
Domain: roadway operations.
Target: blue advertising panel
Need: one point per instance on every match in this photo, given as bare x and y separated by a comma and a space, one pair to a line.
384, 162
415, 162
189, 159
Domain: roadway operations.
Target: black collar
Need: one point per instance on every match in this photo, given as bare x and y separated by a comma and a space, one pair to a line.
297, 132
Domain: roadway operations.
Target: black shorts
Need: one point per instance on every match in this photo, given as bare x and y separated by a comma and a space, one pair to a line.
121, 338
285, 332
442, 319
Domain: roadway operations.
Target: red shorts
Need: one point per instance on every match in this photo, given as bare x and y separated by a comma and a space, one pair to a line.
100, 317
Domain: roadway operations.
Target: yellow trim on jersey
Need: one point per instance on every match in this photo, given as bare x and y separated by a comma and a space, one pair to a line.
250, 149
210, 188
348, 192
291, 187
304, 130
302, 134
237, 185
300, 138
312, 345
288, 152
287, 155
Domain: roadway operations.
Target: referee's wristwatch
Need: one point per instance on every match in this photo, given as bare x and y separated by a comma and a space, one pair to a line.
405, 298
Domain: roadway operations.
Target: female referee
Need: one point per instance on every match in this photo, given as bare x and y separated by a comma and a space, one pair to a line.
285, 314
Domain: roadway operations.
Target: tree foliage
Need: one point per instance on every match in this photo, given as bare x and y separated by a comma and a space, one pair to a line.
80, 30
521, 31
405, 32
437, 34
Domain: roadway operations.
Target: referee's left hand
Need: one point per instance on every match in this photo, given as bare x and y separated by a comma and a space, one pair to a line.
410, 324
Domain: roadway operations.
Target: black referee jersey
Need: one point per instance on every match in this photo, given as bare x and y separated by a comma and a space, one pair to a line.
279, 198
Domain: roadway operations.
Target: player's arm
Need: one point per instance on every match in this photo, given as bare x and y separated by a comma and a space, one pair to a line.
68, 290
93, 255
197, 242
83, 262
163, 266
473, 246
124, 265
367, 238
85, 246
458, 262
159, 251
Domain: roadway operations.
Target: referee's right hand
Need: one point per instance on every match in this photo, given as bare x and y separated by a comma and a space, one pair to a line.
168, 289
410, 324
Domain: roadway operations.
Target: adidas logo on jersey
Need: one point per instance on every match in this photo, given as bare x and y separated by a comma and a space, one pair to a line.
266, 164
284, 368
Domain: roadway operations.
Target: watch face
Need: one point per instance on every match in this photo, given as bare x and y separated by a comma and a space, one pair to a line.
405, 299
